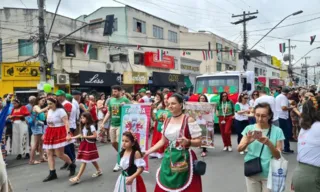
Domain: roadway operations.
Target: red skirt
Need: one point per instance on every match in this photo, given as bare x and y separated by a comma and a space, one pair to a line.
140, 184
55, 137
195, 185
155, 138
87, 152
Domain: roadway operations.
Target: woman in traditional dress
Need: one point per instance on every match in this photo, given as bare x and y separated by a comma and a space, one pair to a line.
20, 134
160, 114
56, 136
176, 170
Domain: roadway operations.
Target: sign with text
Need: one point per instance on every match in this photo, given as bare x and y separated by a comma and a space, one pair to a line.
98, 79
150, 60
135, 78
136, 118
167, 79
21, 71
190, 68
203, 114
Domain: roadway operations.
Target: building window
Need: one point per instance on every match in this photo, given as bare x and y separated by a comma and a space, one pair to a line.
219, 51
93, 54
176, 63
227, 51
70, 50
139, 26
260, 73
118, 57
115, 24
157, 32
25, 47
173, 36
138, 58
256, 71
234, 55
218, 66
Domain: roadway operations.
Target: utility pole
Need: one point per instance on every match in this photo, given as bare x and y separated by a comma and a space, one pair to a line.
290, 70
209, 53
244, 20
42, 42
306, 71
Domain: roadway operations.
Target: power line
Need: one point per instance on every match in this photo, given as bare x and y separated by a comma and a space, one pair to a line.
54, 18
23, 4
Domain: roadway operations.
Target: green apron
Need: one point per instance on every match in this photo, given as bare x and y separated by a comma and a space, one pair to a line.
172, 180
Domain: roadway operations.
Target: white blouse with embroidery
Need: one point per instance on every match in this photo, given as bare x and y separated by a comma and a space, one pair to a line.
172, 132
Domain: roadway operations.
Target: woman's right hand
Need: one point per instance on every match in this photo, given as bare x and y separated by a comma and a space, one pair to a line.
250, 137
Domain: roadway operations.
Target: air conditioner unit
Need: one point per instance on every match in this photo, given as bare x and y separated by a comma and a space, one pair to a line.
109, 66
63, 79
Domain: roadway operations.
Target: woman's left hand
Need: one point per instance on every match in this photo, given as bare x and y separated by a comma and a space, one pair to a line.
184, 142
264, 140
68, 138
129, 180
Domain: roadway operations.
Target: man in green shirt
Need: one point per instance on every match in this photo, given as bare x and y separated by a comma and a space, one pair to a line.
114, 112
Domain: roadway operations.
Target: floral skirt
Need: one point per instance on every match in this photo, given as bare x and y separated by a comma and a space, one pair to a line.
87, 152
55, 137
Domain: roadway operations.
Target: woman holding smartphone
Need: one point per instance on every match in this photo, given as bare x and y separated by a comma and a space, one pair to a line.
263, 140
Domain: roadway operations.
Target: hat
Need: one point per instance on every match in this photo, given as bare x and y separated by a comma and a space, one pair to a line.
285, 90
69, 97
142, 91
148, 92
60, 93
75, 92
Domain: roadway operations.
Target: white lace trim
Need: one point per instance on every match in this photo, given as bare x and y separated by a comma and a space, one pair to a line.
185, 186
88, 161
140, 162
55, 146
157, 155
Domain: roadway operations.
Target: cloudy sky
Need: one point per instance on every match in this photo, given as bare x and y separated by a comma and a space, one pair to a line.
215, 16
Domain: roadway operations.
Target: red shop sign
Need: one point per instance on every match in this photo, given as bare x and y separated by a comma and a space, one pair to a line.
150, 60
274, 82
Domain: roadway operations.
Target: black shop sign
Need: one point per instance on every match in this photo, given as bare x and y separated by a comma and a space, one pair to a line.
98, 79
167, 79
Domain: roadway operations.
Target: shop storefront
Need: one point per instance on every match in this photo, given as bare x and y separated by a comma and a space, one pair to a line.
20, 78
190, 68
167, 80
96, 82
134, 81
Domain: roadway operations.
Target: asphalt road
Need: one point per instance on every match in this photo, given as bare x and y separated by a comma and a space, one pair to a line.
224, 173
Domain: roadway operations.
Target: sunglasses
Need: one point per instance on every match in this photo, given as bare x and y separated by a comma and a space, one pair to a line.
246, 98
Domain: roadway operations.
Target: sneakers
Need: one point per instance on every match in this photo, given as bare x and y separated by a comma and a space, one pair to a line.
287, 151
225, 148
116, 168
229, 148
241, 153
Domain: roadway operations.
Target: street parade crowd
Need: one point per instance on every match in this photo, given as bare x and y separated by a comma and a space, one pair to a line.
68, 126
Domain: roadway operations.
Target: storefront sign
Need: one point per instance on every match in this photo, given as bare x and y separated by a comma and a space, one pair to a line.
276, 82
190, 68
167, 79
150, 60
135, 78
21, 71
97, 79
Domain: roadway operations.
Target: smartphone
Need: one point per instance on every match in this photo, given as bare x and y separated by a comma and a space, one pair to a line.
257, 134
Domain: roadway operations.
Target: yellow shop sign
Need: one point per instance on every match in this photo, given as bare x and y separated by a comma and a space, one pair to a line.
135, 78
20, 71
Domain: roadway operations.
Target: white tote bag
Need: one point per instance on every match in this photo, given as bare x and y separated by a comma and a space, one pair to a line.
278, 171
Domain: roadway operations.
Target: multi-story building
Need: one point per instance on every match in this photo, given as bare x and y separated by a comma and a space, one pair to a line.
20, 71
136, 37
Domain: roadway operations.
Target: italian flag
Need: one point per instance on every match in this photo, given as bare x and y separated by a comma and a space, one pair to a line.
207, 55
160, 54
86, 48
282, 47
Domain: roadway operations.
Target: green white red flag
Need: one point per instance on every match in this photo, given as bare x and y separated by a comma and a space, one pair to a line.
160, 54
207, 55
282, 47
86, 48
312, 38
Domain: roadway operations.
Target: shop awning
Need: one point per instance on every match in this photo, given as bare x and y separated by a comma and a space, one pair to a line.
187, 81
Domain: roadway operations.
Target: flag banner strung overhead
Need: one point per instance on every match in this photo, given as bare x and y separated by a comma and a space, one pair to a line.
207, 55
282, 47
203, 114
86, 48
136, 118
312, 38
138, 47
160, 54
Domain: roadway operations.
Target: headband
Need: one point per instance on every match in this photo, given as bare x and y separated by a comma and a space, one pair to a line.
17, 101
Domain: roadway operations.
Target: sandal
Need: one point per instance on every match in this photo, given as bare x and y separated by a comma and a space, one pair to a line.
97, 174
43, 160
75, 180
34, 162
203, 154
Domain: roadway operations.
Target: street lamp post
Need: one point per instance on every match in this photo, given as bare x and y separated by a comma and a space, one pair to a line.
293, 14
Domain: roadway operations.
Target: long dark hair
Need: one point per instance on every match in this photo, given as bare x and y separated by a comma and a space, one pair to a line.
310, 113
161, 100
135, 147
265, 106
205, 98
255, 92
242, 95
221, 97
18, 102
179, 98
89, 122
56, 102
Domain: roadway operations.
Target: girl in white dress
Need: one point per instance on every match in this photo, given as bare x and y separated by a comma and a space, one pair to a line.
132, 165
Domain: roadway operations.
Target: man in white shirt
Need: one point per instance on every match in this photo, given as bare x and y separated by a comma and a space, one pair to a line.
144, 97
282, 109
75, 101
264, 98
